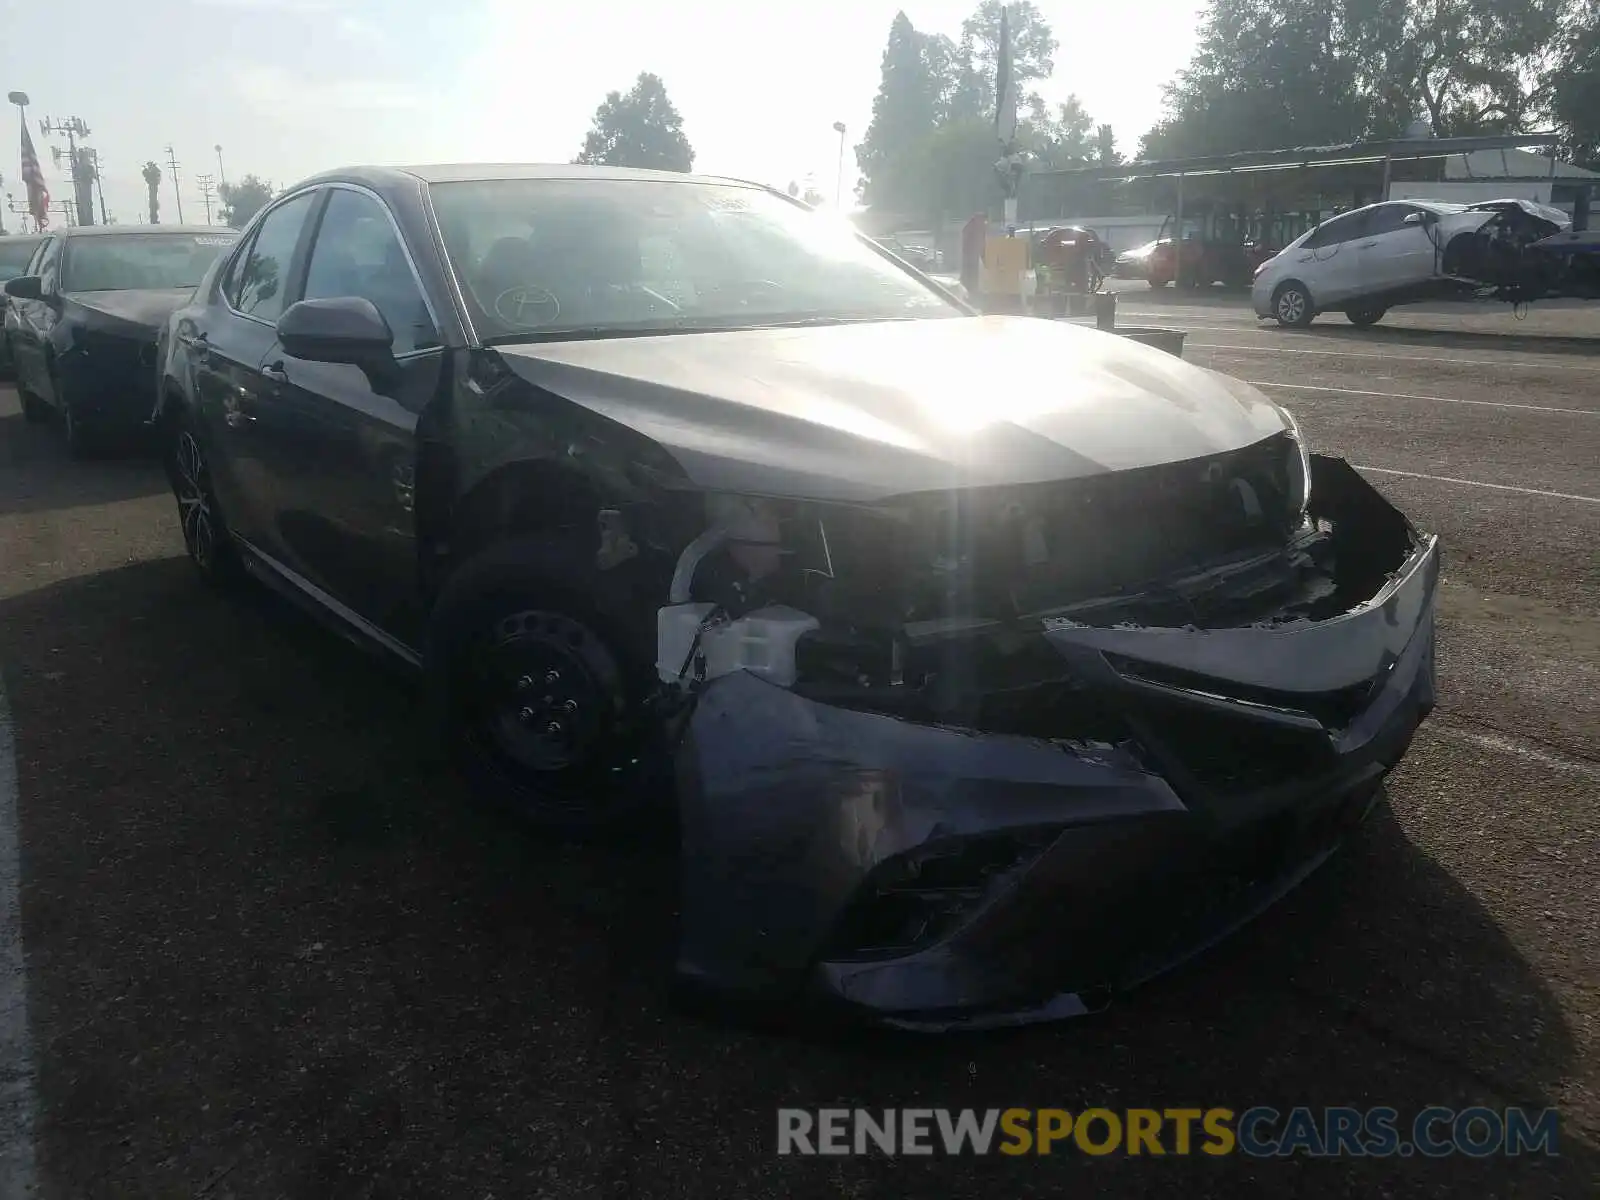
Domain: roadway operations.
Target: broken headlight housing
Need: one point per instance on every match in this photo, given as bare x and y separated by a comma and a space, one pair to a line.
1298, 467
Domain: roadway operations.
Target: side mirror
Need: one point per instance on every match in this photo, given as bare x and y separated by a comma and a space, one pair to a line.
25, 287
340, 329
1419, 218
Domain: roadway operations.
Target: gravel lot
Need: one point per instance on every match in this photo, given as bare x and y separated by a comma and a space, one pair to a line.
271, 951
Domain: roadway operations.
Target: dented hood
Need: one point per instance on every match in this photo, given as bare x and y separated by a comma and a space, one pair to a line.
865, 411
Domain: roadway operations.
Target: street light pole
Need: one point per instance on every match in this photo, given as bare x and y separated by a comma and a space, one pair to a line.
838, 178
222, 175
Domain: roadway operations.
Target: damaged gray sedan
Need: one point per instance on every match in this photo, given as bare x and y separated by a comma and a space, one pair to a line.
989, 664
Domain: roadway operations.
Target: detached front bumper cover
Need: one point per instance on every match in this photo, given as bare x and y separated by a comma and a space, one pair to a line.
932, 877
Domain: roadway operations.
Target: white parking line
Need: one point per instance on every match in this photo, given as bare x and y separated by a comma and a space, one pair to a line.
1499, 487
16, 1047
1438, 358
1340, 391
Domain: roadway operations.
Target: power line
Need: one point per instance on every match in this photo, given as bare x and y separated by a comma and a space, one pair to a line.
177, 192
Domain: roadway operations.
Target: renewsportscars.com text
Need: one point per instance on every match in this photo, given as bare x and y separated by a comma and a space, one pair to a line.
1260, 1132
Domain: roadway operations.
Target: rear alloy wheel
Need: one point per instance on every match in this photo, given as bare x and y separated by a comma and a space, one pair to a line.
1362, 315
1291, 305
205, 537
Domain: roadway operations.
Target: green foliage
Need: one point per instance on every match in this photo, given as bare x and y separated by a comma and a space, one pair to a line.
152, 187
243, 200
1033, 47
930, 150
1574, 84
1273, 73
640, 129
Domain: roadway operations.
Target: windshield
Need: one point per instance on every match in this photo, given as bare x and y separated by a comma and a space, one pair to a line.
547, 257
114, 263
14, 255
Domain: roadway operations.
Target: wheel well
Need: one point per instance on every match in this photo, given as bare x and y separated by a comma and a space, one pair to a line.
1288, 283
516, 500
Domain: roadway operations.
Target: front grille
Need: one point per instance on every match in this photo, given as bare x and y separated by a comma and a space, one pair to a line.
1226, 753
1335, 709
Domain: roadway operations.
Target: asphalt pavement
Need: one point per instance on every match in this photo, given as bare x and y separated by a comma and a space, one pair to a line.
268, 948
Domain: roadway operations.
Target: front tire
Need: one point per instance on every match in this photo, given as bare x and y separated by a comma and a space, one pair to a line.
205, 533
540, 694
1291, 305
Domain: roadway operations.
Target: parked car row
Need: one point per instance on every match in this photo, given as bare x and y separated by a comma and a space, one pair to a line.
82, 317
973, 701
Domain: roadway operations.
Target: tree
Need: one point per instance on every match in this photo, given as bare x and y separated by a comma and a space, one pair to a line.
1033, 47
904, 111
1266, 73
1058, 139
152, 187
1105, 147
1270, 73
1574, 84
243, 200
640, 129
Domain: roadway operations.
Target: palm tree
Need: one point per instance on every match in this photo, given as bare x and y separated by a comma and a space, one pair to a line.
152, 183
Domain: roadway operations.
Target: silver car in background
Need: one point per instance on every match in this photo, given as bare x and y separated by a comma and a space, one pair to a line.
1366, 261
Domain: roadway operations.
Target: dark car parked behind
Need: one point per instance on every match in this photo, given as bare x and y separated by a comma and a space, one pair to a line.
991, 663
81, 324
16, 251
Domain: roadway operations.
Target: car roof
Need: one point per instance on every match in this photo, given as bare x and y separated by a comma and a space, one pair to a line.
17, 239
384, 178
77, 231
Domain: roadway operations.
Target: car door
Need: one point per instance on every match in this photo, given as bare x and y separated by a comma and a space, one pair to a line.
342, 450
1392, 254
1327, 260
231, 338
35, 319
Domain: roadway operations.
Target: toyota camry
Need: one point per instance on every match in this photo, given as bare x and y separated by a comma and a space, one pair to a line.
988, 664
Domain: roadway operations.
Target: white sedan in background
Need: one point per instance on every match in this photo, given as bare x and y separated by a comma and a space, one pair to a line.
1366, 261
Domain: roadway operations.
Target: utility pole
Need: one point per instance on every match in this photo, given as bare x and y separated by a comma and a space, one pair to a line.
22, 211
222, 175
80, 171
207, 190
172, 165
838, 179
64, 207
99, 187
8, 204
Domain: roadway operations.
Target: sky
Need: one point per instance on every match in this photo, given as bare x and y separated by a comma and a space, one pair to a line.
292, 87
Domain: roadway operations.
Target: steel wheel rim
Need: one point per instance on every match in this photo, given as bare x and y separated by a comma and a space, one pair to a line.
540, 704
194, 506
1291, 305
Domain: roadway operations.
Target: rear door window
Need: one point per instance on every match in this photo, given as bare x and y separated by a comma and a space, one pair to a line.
1339, 230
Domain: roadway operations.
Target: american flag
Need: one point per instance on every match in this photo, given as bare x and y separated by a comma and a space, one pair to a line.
33, 179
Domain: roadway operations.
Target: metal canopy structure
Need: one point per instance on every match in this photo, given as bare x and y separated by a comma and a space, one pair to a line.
1343, 155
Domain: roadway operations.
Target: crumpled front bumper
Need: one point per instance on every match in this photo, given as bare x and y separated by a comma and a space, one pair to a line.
1100, 867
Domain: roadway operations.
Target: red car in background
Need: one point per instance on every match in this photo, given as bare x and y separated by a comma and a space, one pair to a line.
1210, 256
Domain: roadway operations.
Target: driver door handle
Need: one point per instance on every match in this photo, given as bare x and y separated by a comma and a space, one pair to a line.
1368, 245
